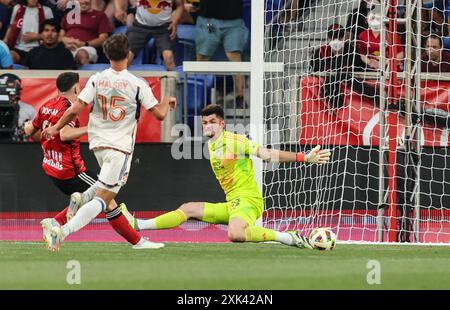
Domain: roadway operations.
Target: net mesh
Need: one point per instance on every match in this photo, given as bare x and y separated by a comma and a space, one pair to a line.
347, 88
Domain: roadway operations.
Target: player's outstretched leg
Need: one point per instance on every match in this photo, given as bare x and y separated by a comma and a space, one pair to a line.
240, 231
81, 219
120, 224
48, 223
114, 216
191, 210
88, 212
77, 200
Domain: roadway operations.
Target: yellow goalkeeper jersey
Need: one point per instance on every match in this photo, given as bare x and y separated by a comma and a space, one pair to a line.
231, 163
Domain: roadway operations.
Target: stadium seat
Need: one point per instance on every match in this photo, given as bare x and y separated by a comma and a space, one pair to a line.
446, 41
195, 85
185, 47
273, 7
186, 33
247, 13
18, 67
95, 67
147, 67
139, 58
121, 29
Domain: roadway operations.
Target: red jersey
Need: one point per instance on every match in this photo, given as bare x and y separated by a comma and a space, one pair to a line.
90, 26
369, 44
62, 159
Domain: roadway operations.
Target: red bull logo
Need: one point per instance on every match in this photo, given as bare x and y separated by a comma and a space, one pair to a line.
155, 6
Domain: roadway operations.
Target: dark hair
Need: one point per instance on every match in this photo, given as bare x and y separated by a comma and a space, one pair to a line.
213, 109
66, 81
116, 47
49, 22
435, 36
335, 31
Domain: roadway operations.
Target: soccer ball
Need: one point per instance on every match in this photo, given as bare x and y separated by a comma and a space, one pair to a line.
323, 239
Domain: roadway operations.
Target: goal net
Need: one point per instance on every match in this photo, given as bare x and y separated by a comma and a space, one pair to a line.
370, 81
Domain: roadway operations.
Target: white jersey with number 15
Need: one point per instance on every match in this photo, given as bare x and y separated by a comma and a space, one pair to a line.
113, 119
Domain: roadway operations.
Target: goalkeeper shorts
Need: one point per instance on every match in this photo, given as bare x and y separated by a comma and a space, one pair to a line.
247, 208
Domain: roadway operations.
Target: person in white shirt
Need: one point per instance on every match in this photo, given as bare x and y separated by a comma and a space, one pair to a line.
23, 32
154, 19
117, 96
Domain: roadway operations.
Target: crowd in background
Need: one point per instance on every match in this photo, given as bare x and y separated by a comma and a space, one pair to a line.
64, 34
356, 48
357, 45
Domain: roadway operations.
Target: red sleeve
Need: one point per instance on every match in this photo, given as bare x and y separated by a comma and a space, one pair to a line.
64, 23
362, 43
103, 26
398, 42
37, 120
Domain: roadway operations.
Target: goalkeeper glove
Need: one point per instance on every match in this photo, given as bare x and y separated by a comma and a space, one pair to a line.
316, 156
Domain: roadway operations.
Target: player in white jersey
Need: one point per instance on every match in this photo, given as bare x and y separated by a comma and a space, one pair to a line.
117, 96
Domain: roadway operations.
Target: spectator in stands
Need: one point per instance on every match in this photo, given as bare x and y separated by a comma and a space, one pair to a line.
23, 32
339, 59
84, 35
337, 54
6, 61
108, 7
435, 16
191, 9
59, 7
52, 54
154, 18
129, 11
5, 15
357, 20
369, 44
435, 59
221, 22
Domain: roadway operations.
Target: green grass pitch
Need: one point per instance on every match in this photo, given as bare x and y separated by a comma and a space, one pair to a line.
222, 266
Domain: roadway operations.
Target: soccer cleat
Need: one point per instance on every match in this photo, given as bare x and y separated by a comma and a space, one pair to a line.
76, 201
131, 219
47, 225
144, 243
56, 239
300, 241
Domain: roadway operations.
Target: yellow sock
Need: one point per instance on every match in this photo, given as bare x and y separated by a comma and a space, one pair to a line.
259, 234
170, 219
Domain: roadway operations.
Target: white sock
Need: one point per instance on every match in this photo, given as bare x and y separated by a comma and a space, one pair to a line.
146, 224
84, 216
89, 194
284, 238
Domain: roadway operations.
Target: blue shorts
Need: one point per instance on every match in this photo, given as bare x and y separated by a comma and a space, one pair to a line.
211, 32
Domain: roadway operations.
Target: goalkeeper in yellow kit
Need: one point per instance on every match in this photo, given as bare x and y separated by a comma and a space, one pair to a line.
231, 163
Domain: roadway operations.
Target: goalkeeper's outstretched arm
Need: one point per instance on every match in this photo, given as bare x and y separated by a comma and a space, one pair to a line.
316, 156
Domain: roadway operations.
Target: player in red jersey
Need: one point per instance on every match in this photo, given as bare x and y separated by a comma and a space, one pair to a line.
62, 160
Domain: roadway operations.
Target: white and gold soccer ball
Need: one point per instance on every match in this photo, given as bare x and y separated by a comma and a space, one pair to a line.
323, 239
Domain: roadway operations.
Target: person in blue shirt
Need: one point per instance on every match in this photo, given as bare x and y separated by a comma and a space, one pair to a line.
6, 61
